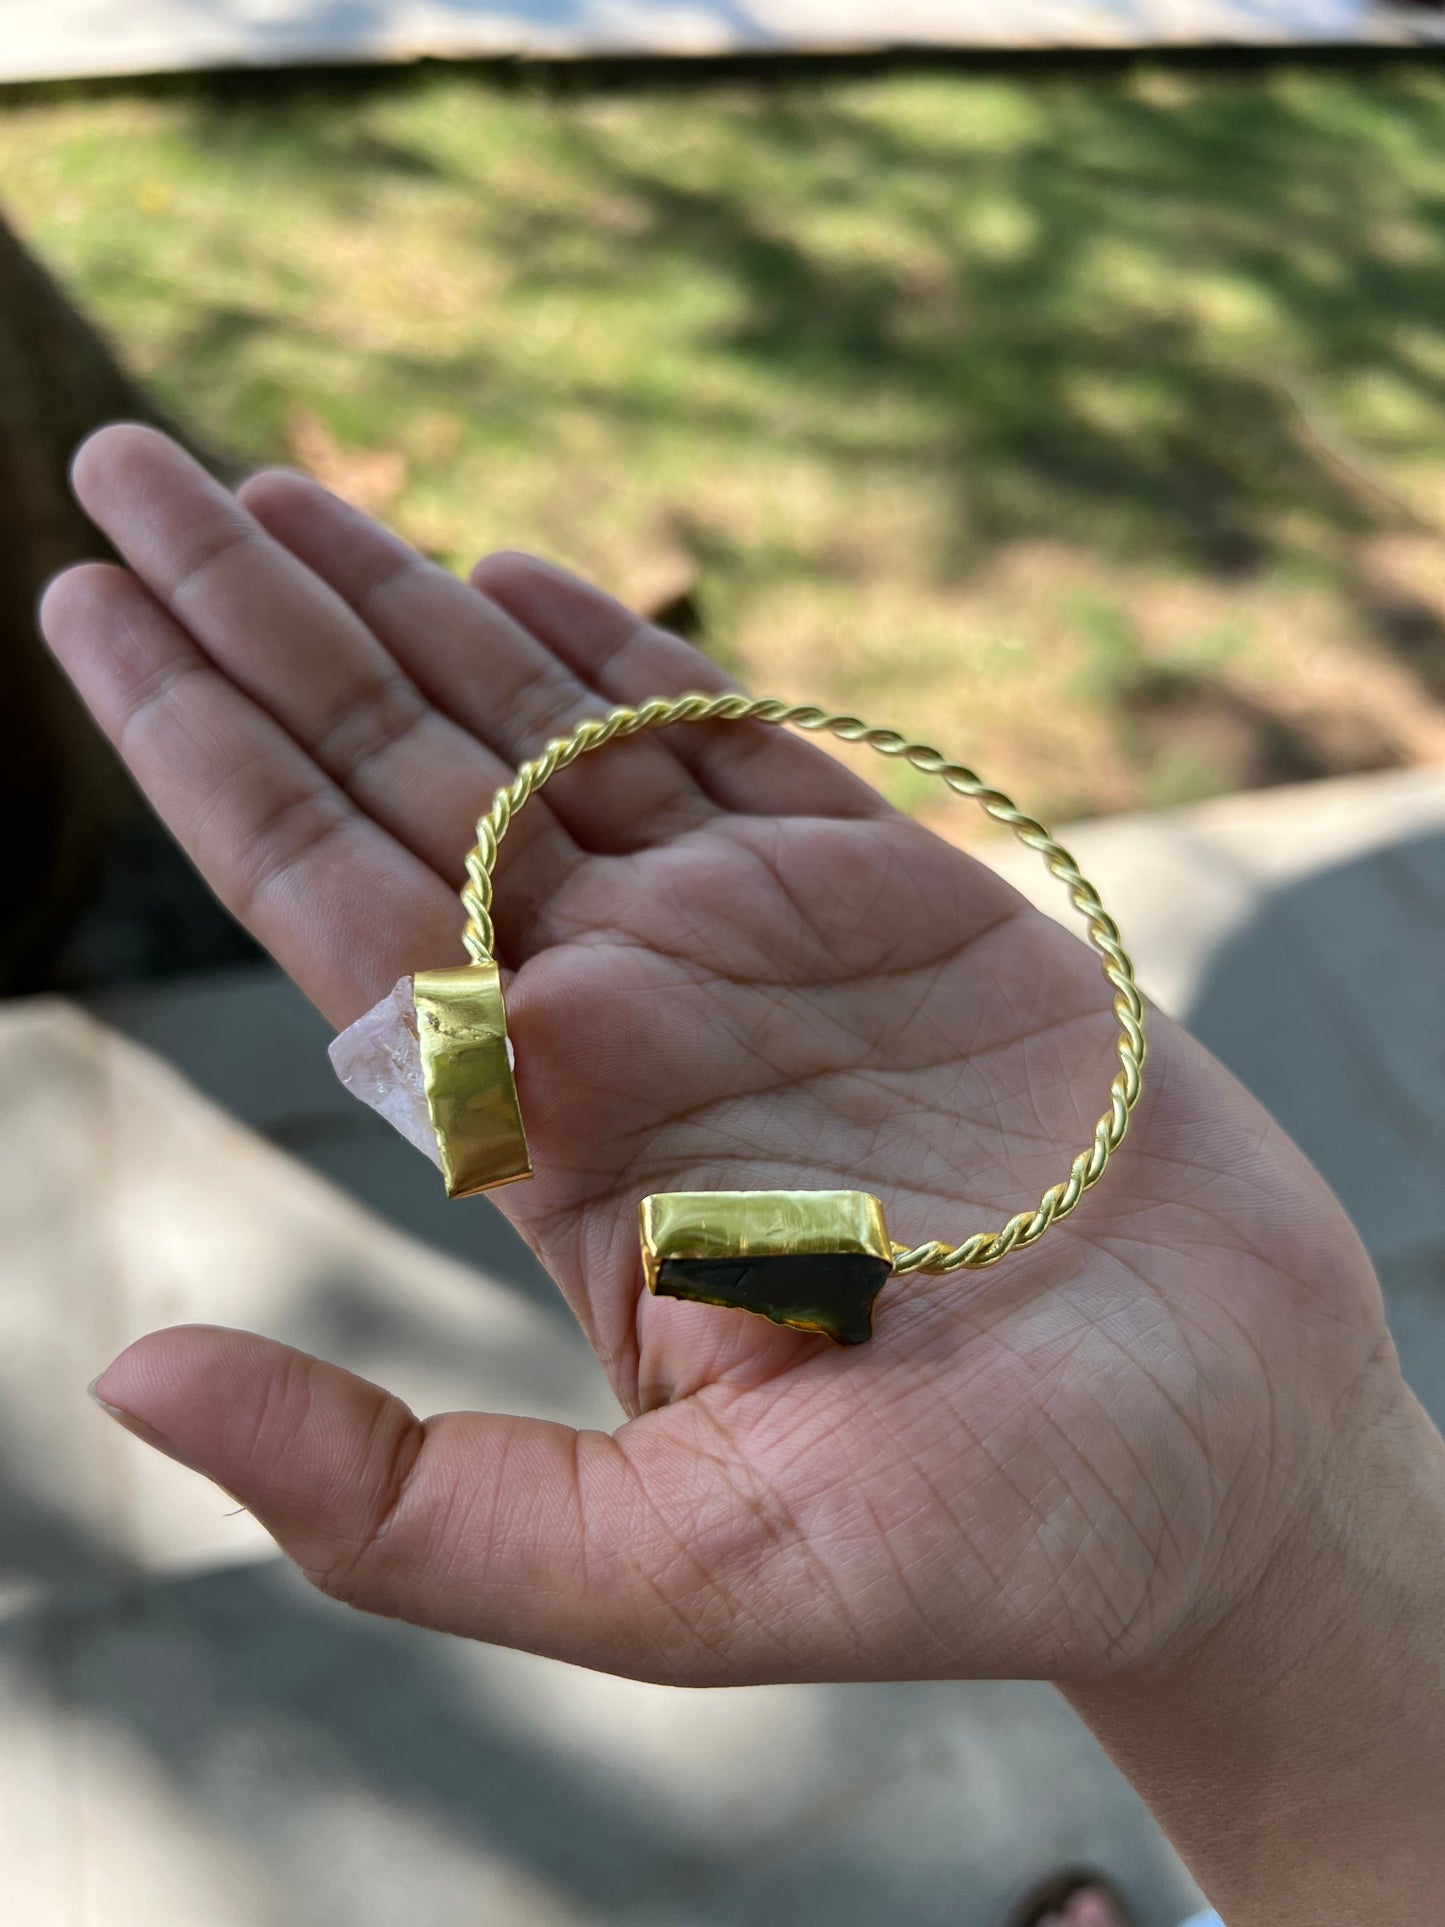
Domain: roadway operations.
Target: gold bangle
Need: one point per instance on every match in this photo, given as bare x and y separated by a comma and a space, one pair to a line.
813, 1260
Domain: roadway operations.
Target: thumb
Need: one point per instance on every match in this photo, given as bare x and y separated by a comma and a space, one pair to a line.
513, 1530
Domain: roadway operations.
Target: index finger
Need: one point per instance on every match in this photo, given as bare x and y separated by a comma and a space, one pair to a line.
342, 906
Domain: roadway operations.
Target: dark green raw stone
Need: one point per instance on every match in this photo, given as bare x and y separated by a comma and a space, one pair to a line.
826, 1291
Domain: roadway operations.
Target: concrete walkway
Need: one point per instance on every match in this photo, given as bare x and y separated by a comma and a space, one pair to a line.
188, 1735
69, 38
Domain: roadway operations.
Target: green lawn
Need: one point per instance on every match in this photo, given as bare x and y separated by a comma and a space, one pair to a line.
1092, 425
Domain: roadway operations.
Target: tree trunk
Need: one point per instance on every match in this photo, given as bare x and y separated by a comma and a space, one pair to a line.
63, 797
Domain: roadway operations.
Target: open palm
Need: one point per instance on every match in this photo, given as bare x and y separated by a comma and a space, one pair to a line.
734, 968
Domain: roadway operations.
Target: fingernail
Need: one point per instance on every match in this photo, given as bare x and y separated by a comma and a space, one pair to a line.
137, 1427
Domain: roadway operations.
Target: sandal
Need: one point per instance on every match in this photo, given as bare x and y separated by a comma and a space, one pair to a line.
1050, 1896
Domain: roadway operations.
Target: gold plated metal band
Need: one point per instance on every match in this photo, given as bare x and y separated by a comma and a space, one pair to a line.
461, 1024
1024, 1227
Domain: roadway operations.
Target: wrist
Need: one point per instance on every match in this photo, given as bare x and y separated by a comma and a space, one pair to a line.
1295, 1752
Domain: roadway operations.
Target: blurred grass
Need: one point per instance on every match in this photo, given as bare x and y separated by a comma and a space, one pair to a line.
1091, 424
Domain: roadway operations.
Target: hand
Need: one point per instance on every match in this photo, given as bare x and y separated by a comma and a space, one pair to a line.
734, 967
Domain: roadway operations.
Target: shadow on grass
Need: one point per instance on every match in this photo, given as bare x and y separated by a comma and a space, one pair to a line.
1176, 316
1061, 331
996, 350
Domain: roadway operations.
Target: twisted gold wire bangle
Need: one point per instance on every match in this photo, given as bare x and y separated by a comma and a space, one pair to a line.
1025, 1227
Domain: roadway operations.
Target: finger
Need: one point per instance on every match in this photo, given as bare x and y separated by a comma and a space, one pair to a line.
482, 668
511, 1530
757, 770
341, 905
284, 637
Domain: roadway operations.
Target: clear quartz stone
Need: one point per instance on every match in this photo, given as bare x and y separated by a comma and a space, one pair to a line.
378, 1059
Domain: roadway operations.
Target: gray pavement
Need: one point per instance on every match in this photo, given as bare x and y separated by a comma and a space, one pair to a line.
188, 1735
69, 38
1299, 934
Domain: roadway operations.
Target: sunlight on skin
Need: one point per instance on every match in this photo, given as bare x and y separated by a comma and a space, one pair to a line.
1164, 1458
732, 965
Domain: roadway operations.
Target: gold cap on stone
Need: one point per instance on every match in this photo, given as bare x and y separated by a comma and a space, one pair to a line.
471, 1092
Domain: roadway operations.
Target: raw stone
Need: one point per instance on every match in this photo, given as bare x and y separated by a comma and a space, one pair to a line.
824, 1291
378, 1059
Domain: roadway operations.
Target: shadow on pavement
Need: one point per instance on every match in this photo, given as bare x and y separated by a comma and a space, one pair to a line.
1328, 1007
